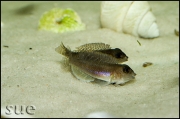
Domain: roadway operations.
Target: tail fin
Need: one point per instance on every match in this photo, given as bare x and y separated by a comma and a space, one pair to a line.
61, 49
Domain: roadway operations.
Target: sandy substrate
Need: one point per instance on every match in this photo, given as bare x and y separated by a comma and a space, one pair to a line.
32, 72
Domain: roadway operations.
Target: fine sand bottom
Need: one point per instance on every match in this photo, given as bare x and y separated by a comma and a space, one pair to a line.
32, 72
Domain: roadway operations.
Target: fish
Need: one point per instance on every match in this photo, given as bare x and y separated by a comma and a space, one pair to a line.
104, 48
96, 67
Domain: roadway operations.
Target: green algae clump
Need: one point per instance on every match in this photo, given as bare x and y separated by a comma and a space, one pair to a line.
60, 21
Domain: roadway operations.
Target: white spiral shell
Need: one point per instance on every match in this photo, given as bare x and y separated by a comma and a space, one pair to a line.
131, 17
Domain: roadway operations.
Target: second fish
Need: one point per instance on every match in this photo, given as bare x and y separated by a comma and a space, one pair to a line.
96, 66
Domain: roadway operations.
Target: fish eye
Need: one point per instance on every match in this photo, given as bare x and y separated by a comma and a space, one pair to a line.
122, 56
119, 55
126, 69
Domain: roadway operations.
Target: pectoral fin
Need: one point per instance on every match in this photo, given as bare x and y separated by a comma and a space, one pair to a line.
79, 74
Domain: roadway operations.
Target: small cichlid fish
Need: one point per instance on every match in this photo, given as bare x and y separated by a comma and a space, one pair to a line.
104, 48
96, 67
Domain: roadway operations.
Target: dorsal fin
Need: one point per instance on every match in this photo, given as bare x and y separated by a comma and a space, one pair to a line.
92, 47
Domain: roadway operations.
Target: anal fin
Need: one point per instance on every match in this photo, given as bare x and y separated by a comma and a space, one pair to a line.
100, 82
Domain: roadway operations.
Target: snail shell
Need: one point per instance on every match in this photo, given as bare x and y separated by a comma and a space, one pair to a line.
131, 17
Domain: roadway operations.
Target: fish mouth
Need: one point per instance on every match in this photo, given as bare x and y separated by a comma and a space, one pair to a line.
130, 78
126, 58
133, 75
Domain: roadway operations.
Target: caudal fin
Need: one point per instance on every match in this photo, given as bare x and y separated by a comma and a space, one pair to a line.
61, 49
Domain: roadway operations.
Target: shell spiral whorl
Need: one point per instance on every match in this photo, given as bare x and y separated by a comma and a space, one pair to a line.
131, 17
